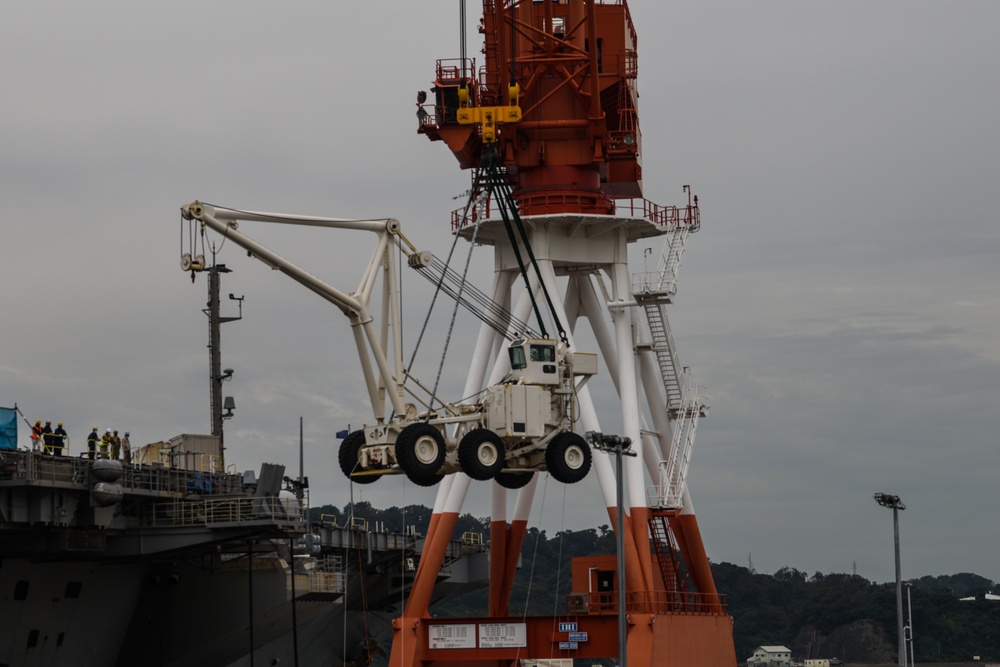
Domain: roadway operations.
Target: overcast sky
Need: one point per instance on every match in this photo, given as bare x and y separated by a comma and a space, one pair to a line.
840, 302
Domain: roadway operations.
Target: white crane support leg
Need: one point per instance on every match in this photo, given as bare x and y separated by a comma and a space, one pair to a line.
498, 503
487, 339
377, 403
382, 363
521, 312
595, 313
390, 316
379, 259
443, 489
651, 455
457, 491
525, 496
651, 383
571, 304
596, 310
588, 414
622, 317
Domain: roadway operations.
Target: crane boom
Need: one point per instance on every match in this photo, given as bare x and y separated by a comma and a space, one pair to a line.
522, 425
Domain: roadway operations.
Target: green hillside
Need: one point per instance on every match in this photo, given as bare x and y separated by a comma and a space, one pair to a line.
817, 616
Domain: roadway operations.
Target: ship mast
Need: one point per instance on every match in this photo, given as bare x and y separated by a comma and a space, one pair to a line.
221, 409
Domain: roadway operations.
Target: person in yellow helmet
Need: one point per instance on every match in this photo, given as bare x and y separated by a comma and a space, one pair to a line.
116, 445
105, 443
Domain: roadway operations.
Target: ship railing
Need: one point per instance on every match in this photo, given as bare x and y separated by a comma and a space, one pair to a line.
36, 467
63, 471
328, 576
647, 602
226, 511
159, 479
667, 218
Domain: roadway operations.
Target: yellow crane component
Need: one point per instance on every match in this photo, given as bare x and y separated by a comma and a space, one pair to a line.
489, 117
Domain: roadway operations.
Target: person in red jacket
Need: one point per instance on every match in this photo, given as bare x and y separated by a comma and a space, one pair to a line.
36, 435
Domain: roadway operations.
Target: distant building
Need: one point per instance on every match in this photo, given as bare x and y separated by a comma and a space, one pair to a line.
770, 656
989, 595
816, 662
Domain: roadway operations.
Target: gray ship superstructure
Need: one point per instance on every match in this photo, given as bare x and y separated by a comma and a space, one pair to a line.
154, 564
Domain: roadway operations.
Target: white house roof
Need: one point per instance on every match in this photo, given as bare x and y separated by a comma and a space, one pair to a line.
774, 649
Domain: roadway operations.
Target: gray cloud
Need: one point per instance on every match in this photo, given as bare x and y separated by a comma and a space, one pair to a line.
840, 302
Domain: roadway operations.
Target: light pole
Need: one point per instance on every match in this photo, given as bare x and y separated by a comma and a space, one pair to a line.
619, 446
893, 502
909, 621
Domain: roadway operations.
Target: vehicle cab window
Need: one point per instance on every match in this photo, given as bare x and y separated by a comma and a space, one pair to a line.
517, 359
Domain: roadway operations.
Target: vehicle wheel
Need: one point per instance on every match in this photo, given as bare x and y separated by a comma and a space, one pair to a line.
568, 458
481, 454
513, 480
348, 455
420, 453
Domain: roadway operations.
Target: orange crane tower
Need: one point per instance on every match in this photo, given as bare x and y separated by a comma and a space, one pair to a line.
553, 115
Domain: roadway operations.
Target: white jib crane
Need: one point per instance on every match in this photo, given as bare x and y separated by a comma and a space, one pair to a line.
521, 424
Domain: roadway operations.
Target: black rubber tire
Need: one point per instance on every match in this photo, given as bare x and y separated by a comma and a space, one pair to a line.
348, 455
513, 480
568, 458
481, 454
420, 453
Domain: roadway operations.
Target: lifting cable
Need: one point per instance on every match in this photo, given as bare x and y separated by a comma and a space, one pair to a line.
507, 206
458, 297
440, 284
477, 302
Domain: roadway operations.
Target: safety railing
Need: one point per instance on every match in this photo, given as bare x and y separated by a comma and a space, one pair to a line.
668, 217
664, 216
158, 479
211, 512
646, 602
328, 576
22, 466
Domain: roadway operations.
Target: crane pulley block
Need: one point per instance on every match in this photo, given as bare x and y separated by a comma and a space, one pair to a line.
489, 117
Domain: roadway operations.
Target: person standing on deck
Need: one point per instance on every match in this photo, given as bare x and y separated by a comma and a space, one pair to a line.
127, 449
92, 440
116, 445
105, 443
48, 440
60, 437
36, 435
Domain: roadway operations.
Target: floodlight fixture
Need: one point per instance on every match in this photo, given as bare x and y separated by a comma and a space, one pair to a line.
890, 501
228, 406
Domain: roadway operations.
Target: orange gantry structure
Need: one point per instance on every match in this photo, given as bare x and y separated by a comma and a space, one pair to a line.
555, 106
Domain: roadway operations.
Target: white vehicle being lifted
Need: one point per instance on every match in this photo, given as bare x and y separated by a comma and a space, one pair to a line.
521, 425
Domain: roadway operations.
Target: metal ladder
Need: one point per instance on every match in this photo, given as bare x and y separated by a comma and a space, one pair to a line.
673, 471
654, 291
